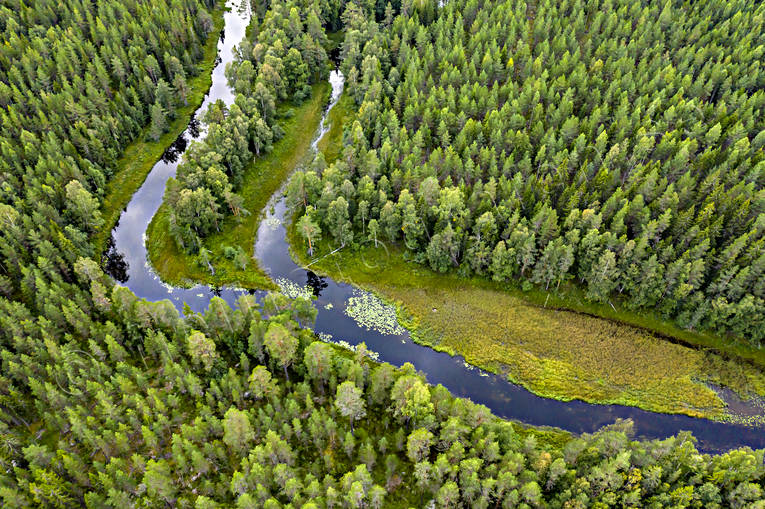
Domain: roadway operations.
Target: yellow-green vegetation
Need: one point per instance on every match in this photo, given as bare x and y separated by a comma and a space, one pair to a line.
140, 156
331, 144
550, 343
554, 353
261, 180
571, 297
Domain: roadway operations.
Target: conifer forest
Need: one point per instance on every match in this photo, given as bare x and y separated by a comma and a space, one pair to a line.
382, 254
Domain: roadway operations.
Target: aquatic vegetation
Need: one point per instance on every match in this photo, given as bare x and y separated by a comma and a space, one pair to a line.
112, 398
754, 421
293, 290
328, 338
272, 222
372, 313
554, 353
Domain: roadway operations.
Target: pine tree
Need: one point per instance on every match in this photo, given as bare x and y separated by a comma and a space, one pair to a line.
158, 122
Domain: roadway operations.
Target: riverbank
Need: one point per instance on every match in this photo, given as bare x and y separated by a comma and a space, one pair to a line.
554, 353
557, 346
261, 180
140, 156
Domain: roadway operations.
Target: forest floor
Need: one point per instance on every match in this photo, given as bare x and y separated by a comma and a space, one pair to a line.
261, 180
140, 156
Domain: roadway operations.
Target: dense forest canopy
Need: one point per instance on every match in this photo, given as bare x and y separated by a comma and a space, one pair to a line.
79, 82
109, 401
616, 144
246, 409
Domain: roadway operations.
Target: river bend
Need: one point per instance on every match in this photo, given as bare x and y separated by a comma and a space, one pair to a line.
340, 319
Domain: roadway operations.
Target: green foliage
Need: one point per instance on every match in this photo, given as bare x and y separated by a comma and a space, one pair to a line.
256, 438
281, 345
260, 180
111, 401
237, 431
139, 157
201, 349
551, 142
272, 69
309, 230
349, 402
530, 337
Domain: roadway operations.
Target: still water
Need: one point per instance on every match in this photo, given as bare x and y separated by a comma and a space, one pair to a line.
127, 261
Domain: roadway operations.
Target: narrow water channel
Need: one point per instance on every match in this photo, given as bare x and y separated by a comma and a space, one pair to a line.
339, 303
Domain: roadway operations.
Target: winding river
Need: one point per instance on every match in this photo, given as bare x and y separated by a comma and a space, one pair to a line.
127, 261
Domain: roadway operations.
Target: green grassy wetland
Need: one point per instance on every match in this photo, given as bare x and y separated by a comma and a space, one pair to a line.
261, 180
555, 353
557, 345
610, 151
331, 144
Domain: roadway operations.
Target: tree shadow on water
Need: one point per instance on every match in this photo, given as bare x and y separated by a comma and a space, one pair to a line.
315, 282
113, 262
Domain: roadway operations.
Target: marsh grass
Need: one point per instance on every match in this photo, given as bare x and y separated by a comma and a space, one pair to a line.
140, 156
571, 297
554, 353
262, 179
532, 339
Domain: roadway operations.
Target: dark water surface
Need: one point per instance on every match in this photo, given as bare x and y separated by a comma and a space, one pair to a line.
127, 260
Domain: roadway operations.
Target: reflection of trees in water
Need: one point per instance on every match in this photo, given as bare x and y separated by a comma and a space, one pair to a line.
113, 262
176, 149
193, 127
317, 283
334, 55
